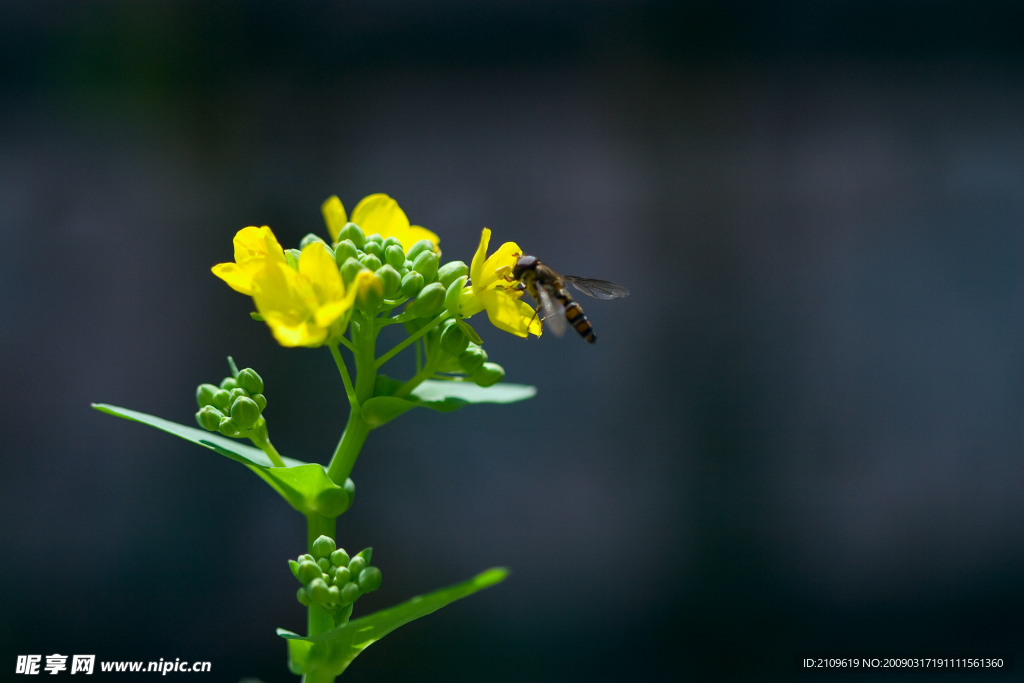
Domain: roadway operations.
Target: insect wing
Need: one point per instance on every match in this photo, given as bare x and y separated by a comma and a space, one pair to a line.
599, 289
552, 312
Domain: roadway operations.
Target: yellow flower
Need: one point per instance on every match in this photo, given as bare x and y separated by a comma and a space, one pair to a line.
377, 214
307, 306
488, 290
255, 248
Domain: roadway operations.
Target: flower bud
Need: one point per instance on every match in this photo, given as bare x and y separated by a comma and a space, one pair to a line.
370, 261
303, 596
412, 283
371, 294
323, 546
375, 249
369, 579
451, 271
391, 242
250, 381
418, 248
453, 294
221, 399
245, 412
333, 595
205, 393
209, 418
324, 564
344, 251
261, 401
354, 234
357, 565
472, 358
394, 256
292, 257
342, 576
319, 593
294, 566
453, 340
309, 239
426, 265
308, 570
228, 383
349, 593
228, 428
375, 237
488, 374
339, 558
350, 269
428, 302
391, 279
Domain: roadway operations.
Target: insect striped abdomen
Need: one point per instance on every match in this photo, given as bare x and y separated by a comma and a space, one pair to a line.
576, 317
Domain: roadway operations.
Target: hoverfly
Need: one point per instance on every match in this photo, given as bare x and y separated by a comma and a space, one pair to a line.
555, 306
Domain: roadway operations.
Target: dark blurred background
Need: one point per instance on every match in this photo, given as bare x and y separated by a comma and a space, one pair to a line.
801, 434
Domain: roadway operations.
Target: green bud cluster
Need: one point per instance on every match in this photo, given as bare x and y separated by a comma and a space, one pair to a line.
234, 407
331, 579
415, 276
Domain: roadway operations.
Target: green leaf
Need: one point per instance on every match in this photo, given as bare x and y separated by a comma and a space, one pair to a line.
305, 486
442, 396
448, 396
328, 654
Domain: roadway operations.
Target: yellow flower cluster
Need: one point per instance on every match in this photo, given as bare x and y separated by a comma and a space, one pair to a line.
308, 304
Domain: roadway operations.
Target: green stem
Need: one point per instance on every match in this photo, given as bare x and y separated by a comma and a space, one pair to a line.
343, 369
428, 370
404, 343
272, 453
364, 337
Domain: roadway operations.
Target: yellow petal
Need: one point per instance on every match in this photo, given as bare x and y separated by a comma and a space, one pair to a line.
469, 303
301, 333
508, 313
328, 313
237, 279
317, 264
257, 244
334, 216
504, 259
476, 267
380, 214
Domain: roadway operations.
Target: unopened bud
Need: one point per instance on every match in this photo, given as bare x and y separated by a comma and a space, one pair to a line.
323, 546
249, 380
303, 597
221, 399
228, 383
426, 265
453, 340
488, 375
339, 558
354, 234
472, 358
333, 595
344, 251
342, 576
294, 566
209, 418
357, 565
391, 279
418, 248
428, 302
261, 401
391, 242
350, 269
371, 294
349, 593
319, 593
451, 271
373, 247
324, 564
245, 412
412, 283
394, 255
309, 239
308, 571
205, 393
369, 260
370, 579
